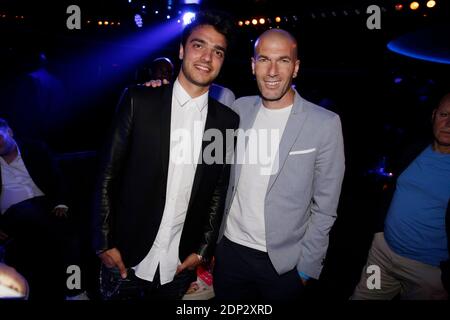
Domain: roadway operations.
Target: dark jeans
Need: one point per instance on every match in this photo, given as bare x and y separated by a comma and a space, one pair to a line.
42, 246
242, 273
113, 287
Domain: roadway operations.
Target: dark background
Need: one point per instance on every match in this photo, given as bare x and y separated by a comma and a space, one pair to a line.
384, 99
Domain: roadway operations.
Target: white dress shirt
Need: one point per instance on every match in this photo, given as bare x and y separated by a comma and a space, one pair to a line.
17, 185
187, 123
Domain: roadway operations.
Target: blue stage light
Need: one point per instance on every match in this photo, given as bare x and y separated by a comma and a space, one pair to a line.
188, 17
418, 54
428, 44
138, 20
398, 80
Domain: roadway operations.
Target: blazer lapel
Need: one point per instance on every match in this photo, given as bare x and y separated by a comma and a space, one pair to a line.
164, 127
291, 132
211, 123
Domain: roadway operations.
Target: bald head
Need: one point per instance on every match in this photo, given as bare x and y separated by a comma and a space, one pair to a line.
441, 125
275, 65
445, 100
277, 34
162, 68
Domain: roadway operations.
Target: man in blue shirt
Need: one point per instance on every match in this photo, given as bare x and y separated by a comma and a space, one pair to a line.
414, 242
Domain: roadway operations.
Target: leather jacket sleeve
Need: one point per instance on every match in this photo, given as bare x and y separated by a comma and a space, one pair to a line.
216, 208
111, 163
217, 203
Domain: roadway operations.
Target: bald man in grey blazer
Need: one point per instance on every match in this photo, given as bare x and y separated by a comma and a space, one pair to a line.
279, 211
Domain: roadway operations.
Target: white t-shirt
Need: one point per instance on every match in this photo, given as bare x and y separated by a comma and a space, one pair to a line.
245, 224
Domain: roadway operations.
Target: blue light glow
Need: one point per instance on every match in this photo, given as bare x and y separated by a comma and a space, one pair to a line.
138, 20
114, 60
188, 17
428, 44
398, 80
380, 169
416, 54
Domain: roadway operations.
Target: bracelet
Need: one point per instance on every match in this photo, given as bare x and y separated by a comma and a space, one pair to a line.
304, 276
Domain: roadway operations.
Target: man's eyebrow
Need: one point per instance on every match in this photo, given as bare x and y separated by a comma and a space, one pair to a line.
217, 47
279, 58
198, 40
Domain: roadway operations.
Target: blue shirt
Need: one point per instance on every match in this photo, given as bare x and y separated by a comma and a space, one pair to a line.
415, 223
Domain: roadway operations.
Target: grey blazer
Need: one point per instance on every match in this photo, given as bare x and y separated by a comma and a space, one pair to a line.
302, 197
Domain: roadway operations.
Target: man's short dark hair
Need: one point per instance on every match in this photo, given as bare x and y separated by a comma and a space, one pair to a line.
220, 21
3, 124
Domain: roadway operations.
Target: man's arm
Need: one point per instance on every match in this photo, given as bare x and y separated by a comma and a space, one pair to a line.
216, 209
217, 202
211, 228
111, 162
328, 175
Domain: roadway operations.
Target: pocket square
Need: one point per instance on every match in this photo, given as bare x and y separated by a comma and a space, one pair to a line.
302, 151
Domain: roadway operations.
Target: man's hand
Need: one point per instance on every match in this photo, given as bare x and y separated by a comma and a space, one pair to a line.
3, 236
156, 83
191, 262
60, 212
10, 278
111, 258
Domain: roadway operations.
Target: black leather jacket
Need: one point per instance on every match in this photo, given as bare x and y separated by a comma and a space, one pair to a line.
131, 190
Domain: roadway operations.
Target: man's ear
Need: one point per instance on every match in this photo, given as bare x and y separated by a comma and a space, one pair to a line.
10, 132
181, 52
433, 115
296, 68
253, 66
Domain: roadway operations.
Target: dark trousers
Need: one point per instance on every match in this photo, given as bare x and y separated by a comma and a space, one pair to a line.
42, 246
113, 287
242, 273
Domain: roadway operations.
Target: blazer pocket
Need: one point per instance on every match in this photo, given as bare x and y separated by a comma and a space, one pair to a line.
302, 151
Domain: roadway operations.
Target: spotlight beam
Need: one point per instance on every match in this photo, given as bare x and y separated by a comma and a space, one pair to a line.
117, 58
